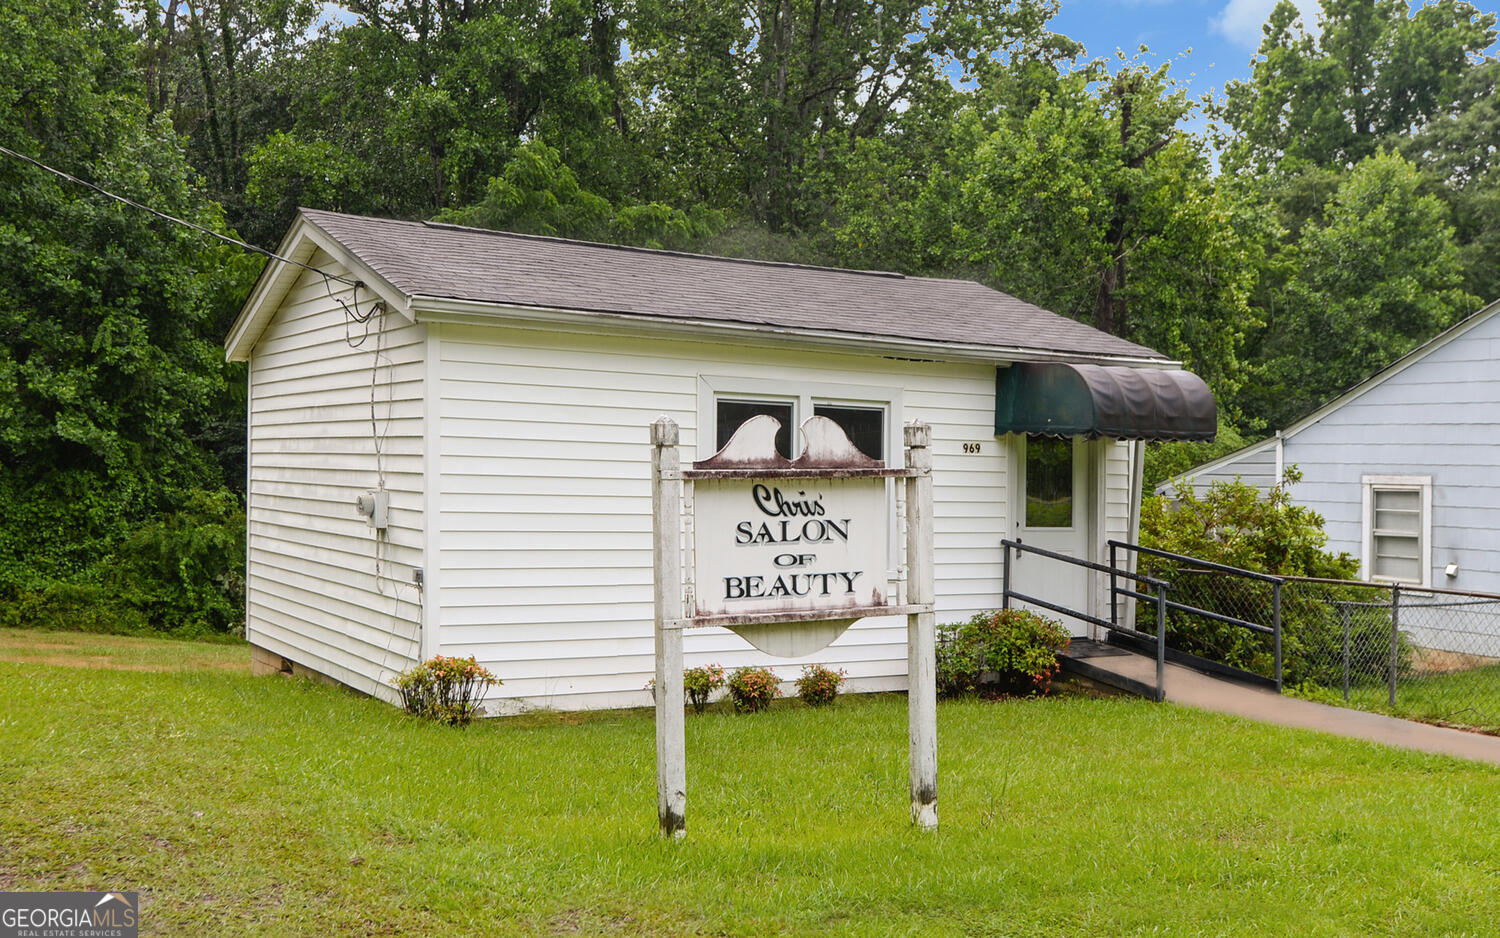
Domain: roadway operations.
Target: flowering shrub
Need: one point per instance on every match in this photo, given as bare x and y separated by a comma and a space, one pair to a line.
819, 685
699, 684
1007, 651
444, 688
753, 689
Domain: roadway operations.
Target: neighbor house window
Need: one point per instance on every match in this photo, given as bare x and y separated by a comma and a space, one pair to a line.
1398, 528
732, 412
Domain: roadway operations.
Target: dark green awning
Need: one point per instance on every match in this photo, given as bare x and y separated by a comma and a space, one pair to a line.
1057, 399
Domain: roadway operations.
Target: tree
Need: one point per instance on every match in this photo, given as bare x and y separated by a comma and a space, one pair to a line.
756, 100
538, 194
215, 68
109, 373
1370, 280
1458, 155
1072, 191
1374, 72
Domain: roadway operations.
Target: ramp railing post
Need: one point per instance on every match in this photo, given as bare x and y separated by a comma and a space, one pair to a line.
1114, 596
1276, 626
1161, 641
1005, 577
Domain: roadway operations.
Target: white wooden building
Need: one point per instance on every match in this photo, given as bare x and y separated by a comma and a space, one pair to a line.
1404, 467
497, 389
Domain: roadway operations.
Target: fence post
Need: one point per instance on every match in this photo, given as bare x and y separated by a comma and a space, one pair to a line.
1005, 577
1114, 597
1161, 641
1344, 608
1276, 625
1395, 637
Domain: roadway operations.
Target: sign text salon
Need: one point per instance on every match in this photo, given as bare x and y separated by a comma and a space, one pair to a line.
770, 545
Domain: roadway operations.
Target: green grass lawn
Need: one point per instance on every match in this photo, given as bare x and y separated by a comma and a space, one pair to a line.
240, 805
1469, 699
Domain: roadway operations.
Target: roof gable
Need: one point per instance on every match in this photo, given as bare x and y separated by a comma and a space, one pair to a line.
1452, 334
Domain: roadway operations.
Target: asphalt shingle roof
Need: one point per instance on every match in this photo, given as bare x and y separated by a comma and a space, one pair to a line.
426, 259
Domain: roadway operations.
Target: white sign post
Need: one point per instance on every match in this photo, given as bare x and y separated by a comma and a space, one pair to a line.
788, 553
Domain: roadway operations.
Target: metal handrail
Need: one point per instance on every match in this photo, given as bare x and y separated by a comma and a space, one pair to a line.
1277, 582
1202, 564
1090, 564
1161, 587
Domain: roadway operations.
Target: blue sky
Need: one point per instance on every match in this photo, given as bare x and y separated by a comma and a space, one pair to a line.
1222, 34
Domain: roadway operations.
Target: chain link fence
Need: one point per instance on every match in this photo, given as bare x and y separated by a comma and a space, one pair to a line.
1431, 655
1422, 654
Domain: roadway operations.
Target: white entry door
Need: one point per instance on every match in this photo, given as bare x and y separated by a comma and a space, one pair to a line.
1052, 505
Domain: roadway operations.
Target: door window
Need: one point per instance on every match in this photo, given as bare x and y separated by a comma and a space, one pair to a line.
1049, 482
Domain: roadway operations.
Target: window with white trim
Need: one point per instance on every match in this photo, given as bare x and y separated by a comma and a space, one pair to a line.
730, 412
869, 414
1397, 529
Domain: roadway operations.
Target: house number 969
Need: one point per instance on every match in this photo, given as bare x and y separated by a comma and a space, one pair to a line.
971, 448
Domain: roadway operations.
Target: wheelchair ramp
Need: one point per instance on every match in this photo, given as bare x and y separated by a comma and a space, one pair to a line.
1136, 673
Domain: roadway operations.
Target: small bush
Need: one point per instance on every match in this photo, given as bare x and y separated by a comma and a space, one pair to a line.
445, 689
699, 684
1008, 651
753, 689
819, 685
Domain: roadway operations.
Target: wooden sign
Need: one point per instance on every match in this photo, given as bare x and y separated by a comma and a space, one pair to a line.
788, 553
817, 546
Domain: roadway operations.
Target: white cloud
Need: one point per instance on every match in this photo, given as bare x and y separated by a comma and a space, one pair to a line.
1240, 20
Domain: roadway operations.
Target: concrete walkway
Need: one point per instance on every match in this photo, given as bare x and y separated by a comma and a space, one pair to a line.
1195, 689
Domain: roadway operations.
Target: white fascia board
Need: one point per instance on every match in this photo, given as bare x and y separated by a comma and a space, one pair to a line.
1395, 368
303, 240
469, 312
275, 279
394, 299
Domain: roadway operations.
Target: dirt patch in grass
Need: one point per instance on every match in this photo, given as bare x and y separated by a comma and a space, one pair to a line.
120, 652
97, 663
1437, 661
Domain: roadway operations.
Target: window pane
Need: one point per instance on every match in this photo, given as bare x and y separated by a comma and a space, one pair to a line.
1403, 522
865, 426
1399, 499
733, 413
1049, 482
1398, 558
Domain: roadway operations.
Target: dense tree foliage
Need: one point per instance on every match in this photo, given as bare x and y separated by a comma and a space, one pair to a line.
113, 398
1345, 208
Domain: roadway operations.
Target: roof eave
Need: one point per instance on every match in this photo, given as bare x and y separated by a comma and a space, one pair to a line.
471, 312
302, 240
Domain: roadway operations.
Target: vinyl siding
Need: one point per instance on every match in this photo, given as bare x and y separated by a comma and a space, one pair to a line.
1438, 417
1254, 466
544, 487
321, 590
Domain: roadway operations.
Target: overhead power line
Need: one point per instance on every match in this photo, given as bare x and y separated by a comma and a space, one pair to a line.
174, 219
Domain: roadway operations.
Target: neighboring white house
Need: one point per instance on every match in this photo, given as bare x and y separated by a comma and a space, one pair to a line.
1404, 467
497, 390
